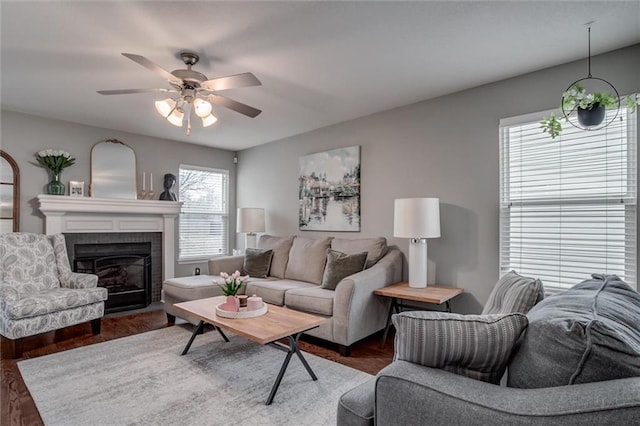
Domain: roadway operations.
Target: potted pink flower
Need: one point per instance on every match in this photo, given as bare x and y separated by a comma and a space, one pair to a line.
232, 283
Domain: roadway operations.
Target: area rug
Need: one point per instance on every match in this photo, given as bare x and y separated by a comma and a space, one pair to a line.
143, 380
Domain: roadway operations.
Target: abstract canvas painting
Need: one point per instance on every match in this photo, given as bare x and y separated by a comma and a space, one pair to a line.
329, 190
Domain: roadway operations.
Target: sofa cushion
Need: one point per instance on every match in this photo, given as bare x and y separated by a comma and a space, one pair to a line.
193, 287
281, 247
514, 293
307, 258
375, 247
588, 333
476, 346
341, 265
311, 299
272, 290
257, 262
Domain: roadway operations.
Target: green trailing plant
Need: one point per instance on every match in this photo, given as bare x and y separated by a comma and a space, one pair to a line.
551, 125
576, 97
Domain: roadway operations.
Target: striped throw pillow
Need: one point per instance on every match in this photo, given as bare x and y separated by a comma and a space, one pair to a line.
476, 346
514, 293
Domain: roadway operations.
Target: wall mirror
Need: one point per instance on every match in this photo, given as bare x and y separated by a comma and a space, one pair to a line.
113, 170
9, 194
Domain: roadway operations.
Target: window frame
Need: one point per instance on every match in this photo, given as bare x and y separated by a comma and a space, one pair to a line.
222, 214
628, 199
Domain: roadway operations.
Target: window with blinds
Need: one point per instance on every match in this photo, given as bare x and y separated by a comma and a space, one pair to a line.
568, 206
204, 217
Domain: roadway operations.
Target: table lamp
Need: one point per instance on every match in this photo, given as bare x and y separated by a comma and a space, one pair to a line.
417, 219
250, 221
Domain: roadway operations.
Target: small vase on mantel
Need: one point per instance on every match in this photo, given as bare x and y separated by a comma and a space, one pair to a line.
55, 187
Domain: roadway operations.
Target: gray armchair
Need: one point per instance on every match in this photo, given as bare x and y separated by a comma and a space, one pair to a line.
38, 290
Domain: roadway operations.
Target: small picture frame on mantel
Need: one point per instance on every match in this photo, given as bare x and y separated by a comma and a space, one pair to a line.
76, 188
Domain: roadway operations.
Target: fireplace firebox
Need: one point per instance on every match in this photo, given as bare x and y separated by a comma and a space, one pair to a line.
124, 269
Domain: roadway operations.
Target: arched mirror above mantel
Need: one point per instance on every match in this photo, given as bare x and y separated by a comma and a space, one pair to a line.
9, 194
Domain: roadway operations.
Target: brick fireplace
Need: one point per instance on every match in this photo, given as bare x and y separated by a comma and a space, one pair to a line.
91, 224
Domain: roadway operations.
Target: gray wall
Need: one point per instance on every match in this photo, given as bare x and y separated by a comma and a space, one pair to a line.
446, 147
24, 135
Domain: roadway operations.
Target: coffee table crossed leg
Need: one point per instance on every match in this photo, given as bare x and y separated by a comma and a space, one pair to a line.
290, 350
197, 331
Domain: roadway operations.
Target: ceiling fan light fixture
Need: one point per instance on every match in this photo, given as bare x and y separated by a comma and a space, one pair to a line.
194, 92
202, 107
176, 117
209, 120
165, 107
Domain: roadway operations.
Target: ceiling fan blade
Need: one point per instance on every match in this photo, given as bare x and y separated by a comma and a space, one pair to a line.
130, 91
231, 82
234, 105
153, 67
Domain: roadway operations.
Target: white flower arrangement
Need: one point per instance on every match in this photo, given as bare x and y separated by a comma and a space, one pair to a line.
232, 283
55, 159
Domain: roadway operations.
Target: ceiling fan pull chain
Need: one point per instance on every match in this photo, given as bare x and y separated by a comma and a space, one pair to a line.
188, 113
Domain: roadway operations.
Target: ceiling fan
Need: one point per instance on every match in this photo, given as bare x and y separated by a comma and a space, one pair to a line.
193, 91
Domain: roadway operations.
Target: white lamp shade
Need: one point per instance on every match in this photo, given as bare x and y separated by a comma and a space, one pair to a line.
202, 107
176, 117
250, 220
416, 218
209, 120
165, 106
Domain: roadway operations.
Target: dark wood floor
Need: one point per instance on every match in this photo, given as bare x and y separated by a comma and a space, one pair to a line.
17, 407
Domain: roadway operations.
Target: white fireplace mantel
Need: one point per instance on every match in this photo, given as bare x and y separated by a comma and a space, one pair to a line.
87, 215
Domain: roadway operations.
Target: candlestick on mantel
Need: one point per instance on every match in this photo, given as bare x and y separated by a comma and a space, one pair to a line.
150, 181
144, 179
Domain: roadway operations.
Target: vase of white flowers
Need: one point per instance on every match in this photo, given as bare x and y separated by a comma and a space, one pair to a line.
55, 161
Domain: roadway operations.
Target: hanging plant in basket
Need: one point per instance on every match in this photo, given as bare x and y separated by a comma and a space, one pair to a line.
590, 107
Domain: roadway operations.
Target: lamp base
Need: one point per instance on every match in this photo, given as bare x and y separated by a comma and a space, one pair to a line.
250, 240
418, 263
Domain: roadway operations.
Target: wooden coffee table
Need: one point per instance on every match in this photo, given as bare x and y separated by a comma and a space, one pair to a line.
278, 323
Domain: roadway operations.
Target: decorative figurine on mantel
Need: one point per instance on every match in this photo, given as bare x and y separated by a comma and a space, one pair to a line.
169, 183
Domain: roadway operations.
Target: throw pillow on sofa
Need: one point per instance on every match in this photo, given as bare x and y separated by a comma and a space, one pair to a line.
280, 247
257, 262
307, 258
476, 346
588, 333
375, 247
514, 293
341, 265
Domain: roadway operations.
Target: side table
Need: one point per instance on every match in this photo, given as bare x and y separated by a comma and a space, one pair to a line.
400, 292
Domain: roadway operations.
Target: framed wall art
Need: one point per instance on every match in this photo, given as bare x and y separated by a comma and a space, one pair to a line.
329, 190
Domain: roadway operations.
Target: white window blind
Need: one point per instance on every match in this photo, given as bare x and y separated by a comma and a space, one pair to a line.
205, 212
568, 206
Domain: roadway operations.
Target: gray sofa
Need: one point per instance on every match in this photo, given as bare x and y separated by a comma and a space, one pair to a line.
295, 278
577, 363
421, 395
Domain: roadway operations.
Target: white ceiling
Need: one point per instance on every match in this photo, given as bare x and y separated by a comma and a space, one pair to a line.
320, 63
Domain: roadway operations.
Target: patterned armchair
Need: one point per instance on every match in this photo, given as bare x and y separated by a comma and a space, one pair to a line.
38, 291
